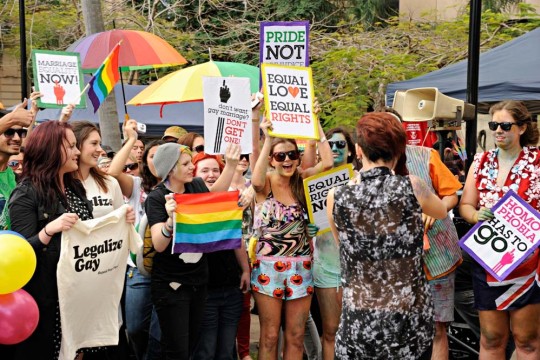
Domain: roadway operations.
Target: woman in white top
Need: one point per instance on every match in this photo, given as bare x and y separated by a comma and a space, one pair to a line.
102, 190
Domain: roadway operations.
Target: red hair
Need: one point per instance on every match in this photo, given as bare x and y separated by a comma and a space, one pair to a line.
381, 137
43, 161
203, 156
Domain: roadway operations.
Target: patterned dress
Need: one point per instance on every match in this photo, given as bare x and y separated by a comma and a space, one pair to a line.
387, 308
520, 288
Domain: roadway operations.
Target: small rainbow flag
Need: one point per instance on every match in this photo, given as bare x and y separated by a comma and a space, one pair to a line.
207, 222
104, 79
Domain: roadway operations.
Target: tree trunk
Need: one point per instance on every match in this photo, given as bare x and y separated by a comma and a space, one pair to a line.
108, 116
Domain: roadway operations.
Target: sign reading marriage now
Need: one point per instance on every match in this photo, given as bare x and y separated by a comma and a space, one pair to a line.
502, 243
288, 98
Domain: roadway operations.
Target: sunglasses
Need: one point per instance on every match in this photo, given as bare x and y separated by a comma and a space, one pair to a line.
505, 126
281, 156
340, 144
14, 164
131, 167
199, 148
245, 157
9, 133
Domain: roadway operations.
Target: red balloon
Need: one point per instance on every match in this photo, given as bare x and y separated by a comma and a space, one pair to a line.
19, 316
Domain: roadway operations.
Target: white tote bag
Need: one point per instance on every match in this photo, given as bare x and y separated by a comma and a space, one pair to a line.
91, 274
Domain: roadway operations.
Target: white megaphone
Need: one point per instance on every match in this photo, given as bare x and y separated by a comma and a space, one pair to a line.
427, 104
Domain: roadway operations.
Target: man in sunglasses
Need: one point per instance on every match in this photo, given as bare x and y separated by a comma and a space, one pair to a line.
10, 144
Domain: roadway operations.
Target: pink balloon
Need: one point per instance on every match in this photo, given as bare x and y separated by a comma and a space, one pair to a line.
19, 316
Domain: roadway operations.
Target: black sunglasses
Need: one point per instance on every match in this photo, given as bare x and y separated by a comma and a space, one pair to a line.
505, 126
11, 132
281, 156
199, 148
244, 156
131, 167
340, 144
14, 164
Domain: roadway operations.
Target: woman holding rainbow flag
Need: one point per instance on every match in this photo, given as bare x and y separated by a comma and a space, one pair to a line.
179, 281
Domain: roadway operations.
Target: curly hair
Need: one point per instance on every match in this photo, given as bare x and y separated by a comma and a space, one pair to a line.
522, 116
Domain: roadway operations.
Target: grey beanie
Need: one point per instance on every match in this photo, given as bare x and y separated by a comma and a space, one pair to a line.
165, 158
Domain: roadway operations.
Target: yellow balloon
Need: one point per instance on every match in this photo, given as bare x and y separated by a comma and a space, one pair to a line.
17, 261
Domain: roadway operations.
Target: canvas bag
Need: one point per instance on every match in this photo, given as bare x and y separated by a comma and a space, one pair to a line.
90, 275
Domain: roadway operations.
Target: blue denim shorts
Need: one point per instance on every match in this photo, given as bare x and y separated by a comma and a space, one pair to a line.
282, 277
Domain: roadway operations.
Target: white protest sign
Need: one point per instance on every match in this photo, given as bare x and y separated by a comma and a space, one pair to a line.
58, 76
502, 243
227, 114
284, 43
316, 188
288, 98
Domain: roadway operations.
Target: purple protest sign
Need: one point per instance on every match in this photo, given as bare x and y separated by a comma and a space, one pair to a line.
502, 243
284, 43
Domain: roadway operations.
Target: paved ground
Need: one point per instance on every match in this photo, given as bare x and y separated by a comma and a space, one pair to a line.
254, 335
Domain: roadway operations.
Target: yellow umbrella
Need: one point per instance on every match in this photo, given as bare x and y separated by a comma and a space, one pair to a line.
186, 84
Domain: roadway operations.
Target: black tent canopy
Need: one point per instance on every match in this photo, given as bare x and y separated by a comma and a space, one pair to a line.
509, 71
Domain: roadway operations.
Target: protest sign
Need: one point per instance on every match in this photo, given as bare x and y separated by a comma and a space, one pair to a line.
288, 98
58, 76
502, 243
227, 114
316, 188
284, 43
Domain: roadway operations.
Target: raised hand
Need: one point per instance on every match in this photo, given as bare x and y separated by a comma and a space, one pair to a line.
66, 113
232, 155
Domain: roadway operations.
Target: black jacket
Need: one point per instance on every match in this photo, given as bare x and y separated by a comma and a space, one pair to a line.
28, 217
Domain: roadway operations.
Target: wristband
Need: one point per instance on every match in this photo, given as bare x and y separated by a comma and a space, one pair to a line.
169, 228
323, 139
165, 232
46, 233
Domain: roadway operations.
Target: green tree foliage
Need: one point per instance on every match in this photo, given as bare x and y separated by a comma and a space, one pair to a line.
352, 63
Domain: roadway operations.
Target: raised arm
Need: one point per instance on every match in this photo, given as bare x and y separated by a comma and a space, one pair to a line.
258, 178
117, 165
232, 156
327, 160
18, 117
255, 129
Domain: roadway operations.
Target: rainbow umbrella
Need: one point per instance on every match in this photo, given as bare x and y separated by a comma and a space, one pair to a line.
139, 50
186, 84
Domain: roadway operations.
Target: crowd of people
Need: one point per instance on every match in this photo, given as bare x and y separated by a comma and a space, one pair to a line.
382, 281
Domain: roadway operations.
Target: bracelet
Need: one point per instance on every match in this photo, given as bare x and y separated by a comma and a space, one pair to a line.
169, 228
323, 139
165, 232
46, 233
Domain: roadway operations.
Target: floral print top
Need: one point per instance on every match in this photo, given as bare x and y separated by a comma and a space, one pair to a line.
387, 307
282, 228
524, 177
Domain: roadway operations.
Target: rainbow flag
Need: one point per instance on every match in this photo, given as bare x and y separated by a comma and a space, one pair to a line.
104, 79
207, 222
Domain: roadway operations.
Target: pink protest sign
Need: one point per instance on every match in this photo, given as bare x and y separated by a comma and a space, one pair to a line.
502, 243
